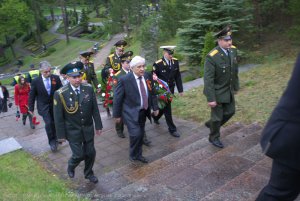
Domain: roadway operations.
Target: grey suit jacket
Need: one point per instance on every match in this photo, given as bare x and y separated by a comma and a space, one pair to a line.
127, 103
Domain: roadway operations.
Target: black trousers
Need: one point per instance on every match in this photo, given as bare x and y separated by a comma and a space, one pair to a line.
136, 135
167, 111
83, 151
284, 184
50, 127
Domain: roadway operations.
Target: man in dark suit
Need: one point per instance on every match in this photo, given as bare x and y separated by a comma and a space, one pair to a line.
221, 82
167, 69
75, 109
125, 68
133, 101
42, 90
280, 141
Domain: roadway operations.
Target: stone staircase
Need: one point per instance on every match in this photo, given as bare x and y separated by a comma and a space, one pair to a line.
196, 170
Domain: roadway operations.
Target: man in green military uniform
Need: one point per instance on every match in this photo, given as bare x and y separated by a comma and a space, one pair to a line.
113, 61
125, 68
113, 64
89, 75
221, 83
75, 109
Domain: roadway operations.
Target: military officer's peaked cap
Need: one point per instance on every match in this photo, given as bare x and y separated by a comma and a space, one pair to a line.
225, 33
127, 56
121, 43
168, 48
86, 54
72, 69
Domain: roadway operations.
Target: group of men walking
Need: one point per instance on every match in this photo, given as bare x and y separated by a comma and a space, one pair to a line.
71, 112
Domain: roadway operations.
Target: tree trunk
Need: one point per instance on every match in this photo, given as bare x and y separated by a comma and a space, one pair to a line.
65, 18
52, 14
97, 10
8, 41
36, 12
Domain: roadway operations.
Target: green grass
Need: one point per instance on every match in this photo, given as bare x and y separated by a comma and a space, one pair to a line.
260, 91
23, 178
64, 53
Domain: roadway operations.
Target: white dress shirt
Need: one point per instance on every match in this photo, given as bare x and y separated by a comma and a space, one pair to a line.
138, 84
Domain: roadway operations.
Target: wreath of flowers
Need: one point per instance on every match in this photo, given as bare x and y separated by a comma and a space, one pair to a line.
108, 95
164, 95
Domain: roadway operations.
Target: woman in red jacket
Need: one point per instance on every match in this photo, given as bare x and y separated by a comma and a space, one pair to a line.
21, 99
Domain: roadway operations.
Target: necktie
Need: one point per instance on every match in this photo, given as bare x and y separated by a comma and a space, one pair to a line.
77, 93
144, 95
48, 86
228, 54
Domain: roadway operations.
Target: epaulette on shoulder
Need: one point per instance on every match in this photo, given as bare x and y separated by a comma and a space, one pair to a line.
86, 84
232, 46
175, 59
111, 55
158, 61
213, 53
64, 88
116, 74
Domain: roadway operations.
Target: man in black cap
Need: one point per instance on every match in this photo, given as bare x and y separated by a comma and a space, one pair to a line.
113, 64
89, 75
113, 61
167, 69
221, 83
75, 110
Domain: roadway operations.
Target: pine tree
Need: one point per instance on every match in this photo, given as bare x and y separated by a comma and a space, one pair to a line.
84, 21
207, 15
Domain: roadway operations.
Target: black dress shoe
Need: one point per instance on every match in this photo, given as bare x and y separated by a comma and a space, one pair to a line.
175, 134
93, 179
155, 120
207, 124
121, 135
146, 142
217, 143
53, 146
141, 159
71, 172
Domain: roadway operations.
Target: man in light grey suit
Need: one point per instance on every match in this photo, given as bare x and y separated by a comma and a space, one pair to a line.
133, 100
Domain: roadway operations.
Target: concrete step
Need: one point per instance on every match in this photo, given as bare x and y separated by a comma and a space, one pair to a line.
177, 170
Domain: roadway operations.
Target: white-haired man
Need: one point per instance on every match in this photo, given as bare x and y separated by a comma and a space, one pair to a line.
133, 101
42, 90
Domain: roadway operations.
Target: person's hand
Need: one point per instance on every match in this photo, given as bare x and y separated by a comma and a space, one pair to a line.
98, 132
60, 141
155, 113
110, 70
99, 90
118, 120
181, 94
212, 104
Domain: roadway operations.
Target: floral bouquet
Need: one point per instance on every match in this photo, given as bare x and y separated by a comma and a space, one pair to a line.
164, 95
108, 95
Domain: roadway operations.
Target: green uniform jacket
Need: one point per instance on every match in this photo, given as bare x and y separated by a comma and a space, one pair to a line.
112, 61
221, 75
76, 127
91, 76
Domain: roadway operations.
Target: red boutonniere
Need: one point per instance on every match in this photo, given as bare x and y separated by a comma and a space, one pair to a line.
149, 85
53, 82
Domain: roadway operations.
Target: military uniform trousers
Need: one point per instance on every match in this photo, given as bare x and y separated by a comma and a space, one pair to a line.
136, 135
83, 151
284, 184
219, 116
50, 127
